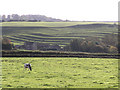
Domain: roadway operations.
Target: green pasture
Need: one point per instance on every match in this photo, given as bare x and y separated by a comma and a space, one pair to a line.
48, 24
55, 32
60, 73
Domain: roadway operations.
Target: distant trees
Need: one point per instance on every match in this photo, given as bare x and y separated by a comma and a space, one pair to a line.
107, 44
6, 44
28, 18
110, 39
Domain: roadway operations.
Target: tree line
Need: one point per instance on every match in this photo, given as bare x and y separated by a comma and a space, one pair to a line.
106, 44
28, 18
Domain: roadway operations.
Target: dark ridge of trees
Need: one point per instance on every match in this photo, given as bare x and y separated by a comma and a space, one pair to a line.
107, 44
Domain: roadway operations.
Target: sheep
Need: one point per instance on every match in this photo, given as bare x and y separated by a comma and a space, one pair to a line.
28, 65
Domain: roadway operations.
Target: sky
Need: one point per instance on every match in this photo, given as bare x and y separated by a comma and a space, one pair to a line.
76, 10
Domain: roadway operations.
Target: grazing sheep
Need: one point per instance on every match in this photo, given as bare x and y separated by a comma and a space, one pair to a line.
27, 65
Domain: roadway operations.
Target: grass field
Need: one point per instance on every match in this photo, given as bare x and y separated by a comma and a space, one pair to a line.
48, 24
60, 33
60, 73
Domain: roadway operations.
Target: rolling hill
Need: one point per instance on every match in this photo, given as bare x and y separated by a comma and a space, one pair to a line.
60, 33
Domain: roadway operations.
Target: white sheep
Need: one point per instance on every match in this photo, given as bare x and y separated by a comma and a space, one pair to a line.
28, 65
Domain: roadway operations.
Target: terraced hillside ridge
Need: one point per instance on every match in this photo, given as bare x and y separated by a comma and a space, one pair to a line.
60, 33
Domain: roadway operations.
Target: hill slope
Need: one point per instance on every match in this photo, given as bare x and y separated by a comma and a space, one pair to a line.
55, 32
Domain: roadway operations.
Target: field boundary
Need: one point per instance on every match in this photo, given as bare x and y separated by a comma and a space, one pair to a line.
57, 54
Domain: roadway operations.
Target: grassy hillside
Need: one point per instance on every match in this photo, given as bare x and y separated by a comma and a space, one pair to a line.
55, 32
48, 24
60, 73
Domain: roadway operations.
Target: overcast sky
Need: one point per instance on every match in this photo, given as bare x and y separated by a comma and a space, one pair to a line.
80, 10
